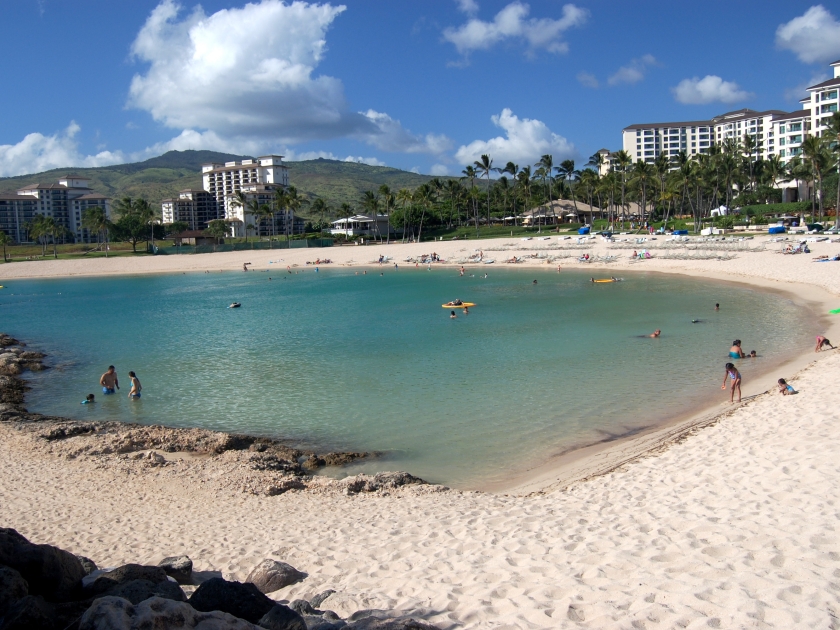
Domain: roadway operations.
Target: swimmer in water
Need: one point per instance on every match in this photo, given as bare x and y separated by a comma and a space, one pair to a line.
717, 307
452, 315
735, 376
89, 399
466, 311
753, 354
134, 392
535, 282
735, 351
655, 333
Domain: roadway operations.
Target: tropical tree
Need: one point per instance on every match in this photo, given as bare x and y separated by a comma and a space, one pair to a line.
5, 240
568, 173
217, 229
484, 167
254, 209
320, 209
470, 173
370, 202
95, 220
388, 199
813, 149
512, 169
294, 202
405, 197
831, 137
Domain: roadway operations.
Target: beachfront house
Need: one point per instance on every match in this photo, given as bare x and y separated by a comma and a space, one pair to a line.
362, 225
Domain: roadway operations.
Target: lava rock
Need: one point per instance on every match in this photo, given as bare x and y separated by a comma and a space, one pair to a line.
178, 567
87, 564
282, 617
124, 574
51, 572
114, 613
320, 598
379, 481
314, 622
12, 589
240, 600
137, 591
373, 623
30, 613
271, 575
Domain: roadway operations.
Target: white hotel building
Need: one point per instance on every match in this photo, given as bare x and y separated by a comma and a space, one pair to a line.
775, 132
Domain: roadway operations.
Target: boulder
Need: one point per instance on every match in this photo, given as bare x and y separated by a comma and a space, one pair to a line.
178, 567
137, 591
87, 564
373, 623
12, 589
271, 575
240, 600
313, 622
124, 574
51, 572
282, 617
379, 481
30, 613
114, 613
303, 607
321, 597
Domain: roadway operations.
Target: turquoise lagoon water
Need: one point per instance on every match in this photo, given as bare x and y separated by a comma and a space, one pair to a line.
335, 360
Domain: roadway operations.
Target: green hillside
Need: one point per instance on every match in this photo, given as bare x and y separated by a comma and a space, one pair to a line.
163, 176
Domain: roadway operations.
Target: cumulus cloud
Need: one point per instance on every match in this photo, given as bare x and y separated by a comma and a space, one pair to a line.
37, 152
470, 7
588, 80
709, 89
634, 71
246, 77
525, 141
513, 24
814, 36
439, 169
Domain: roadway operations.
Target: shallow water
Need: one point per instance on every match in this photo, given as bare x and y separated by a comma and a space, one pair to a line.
336, 360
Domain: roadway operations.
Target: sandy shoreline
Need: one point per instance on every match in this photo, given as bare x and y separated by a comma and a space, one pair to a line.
730, 526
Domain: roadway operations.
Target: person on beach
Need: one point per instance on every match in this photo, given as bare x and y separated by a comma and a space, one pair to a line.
452, 315
784, 388
822, 342
109, 381
655, 333
735, 351
134, 392
89, 399
733, 373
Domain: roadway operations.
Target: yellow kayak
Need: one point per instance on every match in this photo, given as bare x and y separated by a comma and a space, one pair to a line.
461, 305
606, 280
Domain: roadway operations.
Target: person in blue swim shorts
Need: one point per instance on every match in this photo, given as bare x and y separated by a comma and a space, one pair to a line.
109, 381
134, 392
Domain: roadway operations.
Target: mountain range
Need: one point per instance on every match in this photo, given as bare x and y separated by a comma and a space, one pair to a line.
160, 177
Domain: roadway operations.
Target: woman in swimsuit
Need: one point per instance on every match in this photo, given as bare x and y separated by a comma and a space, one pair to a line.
822, 341
733, 373
735, 351
134, 392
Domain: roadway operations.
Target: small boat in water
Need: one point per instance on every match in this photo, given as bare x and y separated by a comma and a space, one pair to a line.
235, 305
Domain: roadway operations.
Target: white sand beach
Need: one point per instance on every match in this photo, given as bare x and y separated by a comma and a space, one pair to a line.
725, 520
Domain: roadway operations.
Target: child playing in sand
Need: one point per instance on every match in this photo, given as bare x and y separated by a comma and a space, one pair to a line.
784, 388
821, 343
733, 373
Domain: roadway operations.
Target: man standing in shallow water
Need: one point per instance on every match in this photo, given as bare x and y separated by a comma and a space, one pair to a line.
109, 380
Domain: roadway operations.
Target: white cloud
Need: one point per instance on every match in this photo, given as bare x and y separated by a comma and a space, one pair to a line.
800, 91
470, 7
634, 71
245, 77
37, 152
439, 169
709, 89
414, 169
588, 80
814, 36
513, 23
525, 141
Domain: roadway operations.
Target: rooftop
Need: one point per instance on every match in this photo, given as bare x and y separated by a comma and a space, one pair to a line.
691, 123
801, 113
825, 84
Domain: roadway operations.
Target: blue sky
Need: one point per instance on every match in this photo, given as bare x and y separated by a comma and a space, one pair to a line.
426, 86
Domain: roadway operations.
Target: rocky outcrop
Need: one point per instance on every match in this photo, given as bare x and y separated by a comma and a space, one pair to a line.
50, 572
114, 613
282, 618
240, 600
379, 481
321, 597
123, 575
12, 588
178, 567
30, 613
270, 575
87, 564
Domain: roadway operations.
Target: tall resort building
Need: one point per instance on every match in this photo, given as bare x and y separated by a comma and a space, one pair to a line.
774, 132
64, 201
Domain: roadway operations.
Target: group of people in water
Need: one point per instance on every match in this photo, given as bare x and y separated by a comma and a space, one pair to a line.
111, 383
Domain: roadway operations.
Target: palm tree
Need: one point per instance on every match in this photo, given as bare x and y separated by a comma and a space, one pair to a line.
523, 178
95, 220
422, 196
484, 168
240, 200
278, 204
5, 240
469, 173
320, 209
253, 206
749, 146
567, 171
512, 169
370, 202
642, 172
216, 229
813, 150
404, 196
623, 162
388, 200
831, 136
547, 163
293, 202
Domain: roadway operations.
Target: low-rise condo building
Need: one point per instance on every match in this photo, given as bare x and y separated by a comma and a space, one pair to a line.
65, 201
